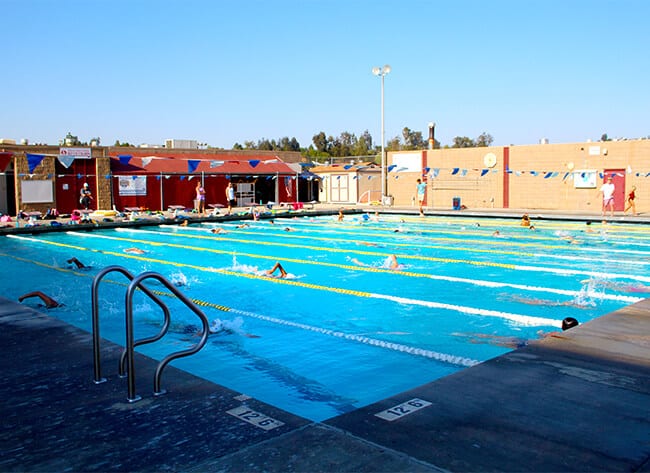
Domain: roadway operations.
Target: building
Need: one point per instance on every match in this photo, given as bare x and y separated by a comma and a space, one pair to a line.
35, 178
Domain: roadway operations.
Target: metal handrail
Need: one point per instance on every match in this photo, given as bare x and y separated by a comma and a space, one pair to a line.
98, 379
130, 344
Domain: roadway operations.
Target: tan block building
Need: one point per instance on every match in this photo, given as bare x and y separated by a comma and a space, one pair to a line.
535, 177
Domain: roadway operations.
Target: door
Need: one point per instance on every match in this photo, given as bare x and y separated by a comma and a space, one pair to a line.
340, 188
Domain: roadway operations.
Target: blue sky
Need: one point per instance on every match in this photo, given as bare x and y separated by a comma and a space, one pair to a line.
223, 72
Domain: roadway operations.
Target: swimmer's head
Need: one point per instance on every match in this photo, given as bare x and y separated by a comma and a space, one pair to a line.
569, 322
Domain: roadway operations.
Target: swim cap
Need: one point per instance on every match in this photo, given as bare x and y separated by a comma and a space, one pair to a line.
569, 322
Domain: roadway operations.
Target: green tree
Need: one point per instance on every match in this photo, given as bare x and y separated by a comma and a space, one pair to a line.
393, 144
463, 142
320, 142
412, 139
484, 139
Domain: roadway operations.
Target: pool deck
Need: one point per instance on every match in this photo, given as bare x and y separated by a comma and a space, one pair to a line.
579, 401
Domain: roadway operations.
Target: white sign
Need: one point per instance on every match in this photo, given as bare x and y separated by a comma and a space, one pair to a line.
132, 185
80, 153
401, 410
408, 162
256, 418
585, 179
594, 150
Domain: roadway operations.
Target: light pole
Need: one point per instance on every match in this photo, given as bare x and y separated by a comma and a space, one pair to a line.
381, 72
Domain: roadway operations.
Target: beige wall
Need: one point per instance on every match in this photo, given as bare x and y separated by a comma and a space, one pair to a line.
520, 188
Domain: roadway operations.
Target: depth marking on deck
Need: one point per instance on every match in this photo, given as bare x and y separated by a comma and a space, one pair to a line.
256, 418
404, 409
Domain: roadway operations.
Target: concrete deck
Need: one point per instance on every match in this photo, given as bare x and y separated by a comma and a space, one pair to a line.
576, 403
579, 402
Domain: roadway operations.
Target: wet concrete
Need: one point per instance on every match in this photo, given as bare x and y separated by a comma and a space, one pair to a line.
579, 402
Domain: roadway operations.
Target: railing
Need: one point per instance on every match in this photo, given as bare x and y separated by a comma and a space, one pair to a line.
127, 356
130, 344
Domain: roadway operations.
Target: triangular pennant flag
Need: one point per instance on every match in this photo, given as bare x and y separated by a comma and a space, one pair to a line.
455, 171
254, 162
555, 174
192, 164
5, 159
66, 161
517, 173
565, 176
547, 175
190, 178
426, 170
347, 166
183, 178
436, 172
124, 158
107, 176
157, 178
146, 161
33, 160
463, 172
484, 172
534, 173
214, 164
391, 167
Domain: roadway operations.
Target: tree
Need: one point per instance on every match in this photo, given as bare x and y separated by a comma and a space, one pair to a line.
604, 137
412, 139
237, 146
463, 142
484, 139
393, 144
320, 142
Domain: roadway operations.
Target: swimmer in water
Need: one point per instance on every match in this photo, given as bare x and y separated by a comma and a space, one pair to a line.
49, 302
133, 250
617, 286
516, 342
393, 262
277, 266
546, 302
77, 263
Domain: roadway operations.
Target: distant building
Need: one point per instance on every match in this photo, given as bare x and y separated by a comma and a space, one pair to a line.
183, 144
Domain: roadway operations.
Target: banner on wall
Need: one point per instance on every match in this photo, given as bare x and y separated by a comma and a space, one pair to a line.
77, 153
132, 185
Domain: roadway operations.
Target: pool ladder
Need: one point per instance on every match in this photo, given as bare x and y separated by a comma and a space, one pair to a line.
126, 363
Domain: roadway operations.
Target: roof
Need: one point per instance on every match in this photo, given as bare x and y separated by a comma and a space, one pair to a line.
166, 162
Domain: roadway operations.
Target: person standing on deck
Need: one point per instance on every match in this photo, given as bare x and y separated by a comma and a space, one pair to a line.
230, 197
421, 188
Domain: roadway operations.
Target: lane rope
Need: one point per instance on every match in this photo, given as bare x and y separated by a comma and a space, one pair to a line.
519, 318
399, 347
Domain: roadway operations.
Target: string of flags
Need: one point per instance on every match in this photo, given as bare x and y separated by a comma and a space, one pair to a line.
34, 160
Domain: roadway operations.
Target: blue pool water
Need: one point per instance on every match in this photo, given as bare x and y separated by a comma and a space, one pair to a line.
344, 329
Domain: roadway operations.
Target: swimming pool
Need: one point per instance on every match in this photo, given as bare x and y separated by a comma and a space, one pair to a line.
344, 329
